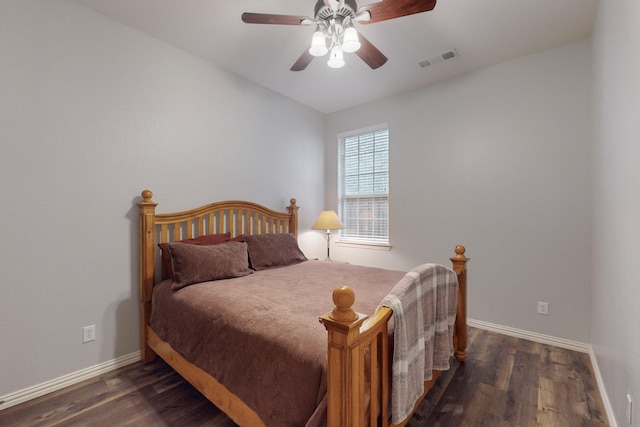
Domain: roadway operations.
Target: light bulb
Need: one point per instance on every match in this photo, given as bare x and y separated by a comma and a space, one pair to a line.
350, 41
318, 44
336, 59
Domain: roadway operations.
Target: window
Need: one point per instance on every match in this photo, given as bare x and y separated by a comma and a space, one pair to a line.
363, 185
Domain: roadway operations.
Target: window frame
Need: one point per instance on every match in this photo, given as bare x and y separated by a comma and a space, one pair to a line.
373, 241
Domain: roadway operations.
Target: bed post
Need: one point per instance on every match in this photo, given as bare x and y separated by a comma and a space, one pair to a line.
293, 221
459, 261
147, 269
344, 384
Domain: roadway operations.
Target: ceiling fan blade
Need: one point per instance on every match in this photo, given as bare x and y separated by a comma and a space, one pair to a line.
267, 18
370, 54
302, 62
390, 9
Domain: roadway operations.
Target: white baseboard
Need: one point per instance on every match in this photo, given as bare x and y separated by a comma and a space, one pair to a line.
29, 393
558, 342
603, 391
531, 336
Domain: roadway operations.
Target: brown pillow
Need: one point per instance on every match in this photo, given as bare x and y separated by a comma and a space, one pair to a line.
273, 250
207, 239
195, 263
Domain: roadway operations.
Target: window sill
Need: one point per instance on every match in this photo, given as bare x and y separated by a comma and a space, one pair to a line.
364, 245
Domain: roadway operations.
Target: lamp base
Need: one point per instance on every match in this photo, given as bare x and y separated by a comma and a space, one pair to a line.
328, 258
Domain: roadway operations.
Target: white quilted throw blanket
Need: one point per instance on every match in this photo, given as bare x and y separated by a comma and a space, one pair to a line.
424, 306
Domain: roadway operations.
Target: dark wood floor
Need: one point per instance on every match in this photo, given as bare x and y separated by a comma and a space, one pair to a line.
504, 382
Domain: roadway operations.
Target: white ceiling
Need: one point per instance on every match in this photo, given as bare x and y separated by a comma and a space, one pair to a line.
482, 32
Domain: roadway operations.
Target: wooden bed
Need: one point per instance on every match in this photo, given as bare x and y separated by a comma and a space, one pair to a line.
358, 365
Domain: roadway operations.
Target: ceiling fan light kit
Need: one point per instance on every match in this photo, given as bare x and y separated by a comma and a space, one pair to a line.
334, 20
342, 37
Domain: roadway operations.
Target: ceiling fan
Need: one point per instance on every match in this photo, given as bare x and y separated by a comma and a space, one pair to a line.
334, 21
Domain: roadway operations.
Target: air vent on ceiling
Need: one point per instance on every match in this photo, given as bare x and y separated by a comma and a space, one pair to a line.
441, 57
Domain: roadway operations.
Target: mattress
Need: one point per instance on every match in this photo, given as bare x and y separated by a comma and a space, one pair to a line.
259, 335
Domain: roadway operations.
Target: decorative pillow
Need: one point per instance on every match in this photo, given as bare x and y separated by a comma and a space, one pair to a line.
195, 263
273, 250
207, 239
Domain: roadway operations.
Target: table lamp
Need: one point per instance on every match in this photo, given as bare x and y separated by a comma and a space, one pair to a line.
328, 220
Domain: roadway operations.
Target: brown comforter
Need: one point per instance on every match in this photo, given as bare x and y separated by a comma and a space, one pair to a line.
259, 335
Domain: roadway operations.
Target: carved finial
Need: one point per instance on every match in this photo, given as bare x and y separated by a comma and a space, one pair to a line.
343, 298
147, 195
293, 201
459, 259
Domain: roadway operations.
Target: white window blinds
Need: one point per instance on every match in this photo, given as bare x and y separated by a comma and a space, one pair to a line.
363, 185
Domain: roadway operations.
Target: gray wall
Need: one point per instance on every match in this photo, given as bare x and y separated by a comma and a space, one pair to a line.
93, 113
616, 203
497, 160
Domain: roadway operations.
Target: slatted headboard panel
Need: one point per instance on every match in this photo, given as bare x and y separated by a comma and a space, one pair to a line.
233, 216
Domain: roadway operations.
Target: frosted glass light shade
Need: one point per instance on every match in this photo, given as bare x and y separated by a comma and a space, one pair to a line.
350, 42
336, 59
318, 44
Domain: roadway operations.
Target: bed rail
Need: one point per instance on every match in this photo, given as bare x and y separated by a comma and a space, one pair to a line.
358, 356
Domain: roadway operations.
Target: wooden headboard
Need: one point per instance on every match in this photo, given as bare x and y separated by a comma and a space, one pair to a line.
234, 216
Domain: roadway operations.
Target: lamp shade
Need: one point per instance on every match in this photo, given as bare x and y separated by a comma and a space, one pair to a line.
318, 44
351, 43
336, 59
328, 220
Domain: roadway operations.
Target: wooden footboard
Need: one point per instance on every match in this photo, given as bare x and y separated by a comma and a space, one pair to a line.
358, 346
358, 357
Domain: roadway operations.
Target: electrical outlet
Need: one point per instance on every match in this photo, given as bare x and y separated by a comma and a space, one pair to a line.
629, 409
88, 333
543, 308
